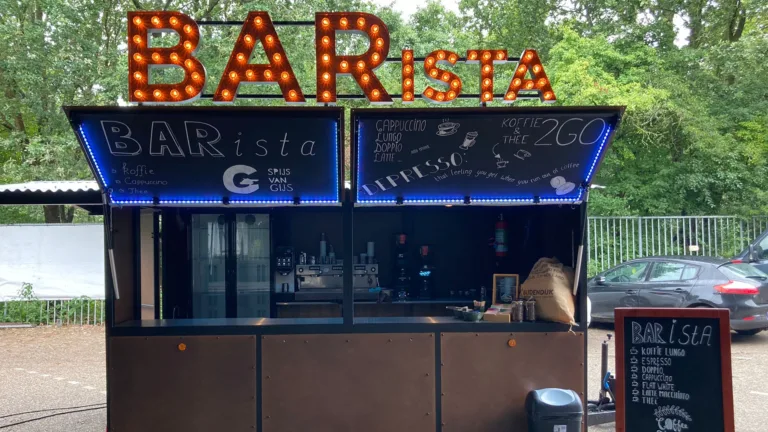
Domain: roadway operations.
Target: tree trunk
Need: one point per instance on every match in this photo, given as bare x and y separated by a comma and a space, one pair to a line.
58, 214
738, 17
696, 15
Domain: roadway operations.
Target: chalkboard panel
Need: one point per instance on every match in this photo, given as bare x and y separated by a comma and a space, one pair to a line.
243, 155
673, 370
485, 153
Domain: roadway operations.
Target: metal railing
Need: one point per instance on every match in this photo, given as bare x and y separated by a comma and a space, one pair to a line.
613, 240
80, 311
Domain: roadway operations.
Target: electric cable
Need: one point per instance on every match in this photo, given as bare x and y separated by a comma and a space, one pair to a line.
51, 415
52, 409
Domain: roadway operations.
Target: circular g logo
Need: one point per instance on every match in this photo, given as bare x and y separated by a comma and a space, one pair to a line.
236, 179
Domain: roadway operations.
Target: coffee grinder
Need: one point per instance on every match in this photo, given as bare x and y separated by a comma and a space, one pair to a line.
402, 269
285, 275
425, 274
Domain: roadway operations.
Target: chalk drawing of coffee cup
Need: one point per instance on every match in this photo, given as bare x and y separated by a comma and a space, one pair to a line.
501, 163
469, 140
561, 186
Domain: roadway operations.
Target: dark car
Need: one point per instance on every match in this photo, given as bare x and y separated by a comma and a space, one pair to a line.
684, 282
756, 253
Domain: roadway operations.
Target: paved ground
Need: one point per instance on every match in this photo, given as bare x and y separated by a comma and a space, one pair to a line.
53, 368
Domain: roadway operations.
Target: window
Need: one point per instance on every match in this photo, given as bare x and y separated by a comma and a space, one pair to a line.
762, 248
633, 272
743, 271
690, 272
666, 271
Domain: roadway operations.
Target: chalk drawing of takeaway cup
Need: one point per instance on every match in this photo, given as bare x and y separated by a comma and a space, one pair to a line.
561, 186
469, 140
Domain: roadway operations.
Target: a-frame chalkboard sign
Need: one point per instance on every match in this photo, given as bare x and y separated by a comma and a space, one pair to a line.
673, 369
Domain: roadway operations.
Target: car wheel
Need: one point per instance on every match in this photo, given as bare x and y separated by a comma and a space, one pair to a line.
748, 332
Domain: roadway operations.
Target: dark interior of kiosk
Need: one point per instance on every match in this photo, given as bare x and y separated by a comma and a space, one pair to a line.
271, 263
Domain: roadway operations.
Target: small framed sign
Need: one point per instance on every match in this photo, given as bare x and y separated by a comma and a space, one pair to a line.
505, 288
673, 370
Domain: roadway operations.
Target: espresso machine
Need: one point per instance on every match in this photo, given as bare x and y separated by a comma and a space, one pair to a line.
285, 276
425, 276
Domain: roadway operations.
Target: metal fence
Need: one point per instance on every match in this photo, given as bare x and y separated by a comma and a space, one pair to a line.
613, 240
80, 311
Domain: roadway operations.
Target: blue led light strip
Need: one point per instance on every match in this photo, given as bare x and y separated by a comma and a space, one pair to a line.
591, 171
93, 157
357, 186
336, 152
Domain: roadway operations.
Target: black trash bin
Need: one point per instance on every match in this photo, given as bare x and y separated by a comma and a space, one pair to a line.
554, 410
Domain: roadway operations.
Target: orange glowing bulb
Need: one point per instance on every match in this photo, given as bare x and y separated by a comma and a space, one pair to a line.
137, 21
137, 39
548, 95
429, 92
226, 94
430, 61
233, 75
240, 57
473, 55
408, 55
188, 45
379, 42
268, 74
174, 21
292, 94
407, 69
326, 58
487, 68
326, 22
440, 96
365, 78
326, 40
521, 69
375, 57
433, 73
249, 74
157, 94
361, 64
187, 29
455, 83
516, 82
360, 22
155, 20
453, 58
195, 76
375, 94
174, 57
440, 55
137, 57
511, 96
499, 55
277, 57
285, 75
407, 96
374, 29
189, 63
326, 95
137, 76
269, 39
529, 85
487, 96
529, 55
486, 55
542, 82
344, 65
446, 77
536, 68
408, 82
248, 39
344, 22
139, 94
451, 95
175, 94
258, 21
487, 82
156, 57
189, 89
326, 76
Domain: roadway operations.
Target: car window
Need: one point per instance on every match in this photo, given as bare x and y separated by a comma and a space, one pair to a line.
762, 248
743, 270
664, 271
633, 272
690, 272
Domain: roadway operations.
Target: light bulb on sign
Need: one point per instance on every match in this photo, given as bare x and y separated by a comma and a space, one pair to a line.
285, 76
174, 21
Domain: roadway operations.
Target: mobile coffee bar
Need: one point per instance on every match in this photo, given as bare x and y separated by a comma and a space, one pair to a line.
279, 300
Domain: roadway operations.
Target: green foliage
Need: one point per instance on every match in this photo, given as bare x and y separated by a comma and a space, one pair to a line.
693, 139
26, 308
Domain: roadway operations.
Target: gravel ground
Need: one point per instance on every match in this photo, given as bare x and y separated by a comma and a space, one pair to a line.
49, 368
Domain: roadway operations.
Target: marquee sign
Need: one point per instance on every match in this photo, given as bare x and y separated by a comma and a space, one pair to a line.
258, 32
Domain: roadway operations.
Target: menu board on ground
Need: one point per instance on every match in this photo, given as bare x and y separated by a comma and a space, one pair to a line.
673, 370
540, 153
215, 155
